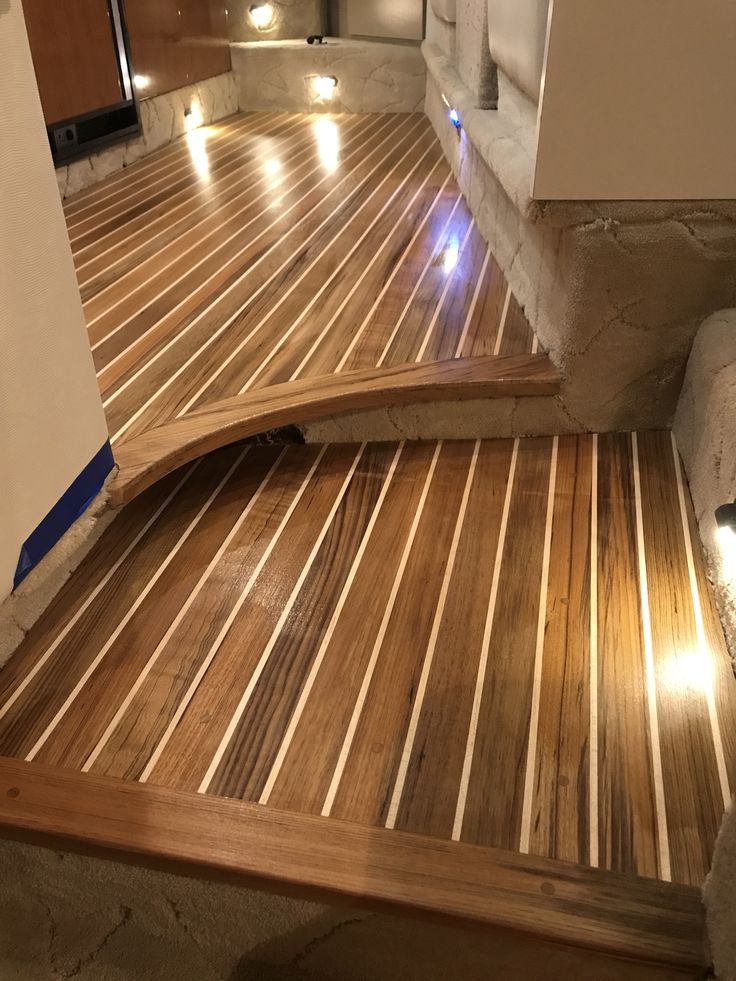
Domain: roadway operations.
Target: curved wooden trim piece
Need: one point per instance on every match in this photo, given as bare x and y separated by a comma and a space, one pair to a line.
324, 859
147, 458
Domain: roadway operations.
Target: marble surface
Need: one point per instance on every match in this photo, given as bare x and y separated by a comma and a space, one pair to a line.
705, 429
615, 291
371, 76
162, 120
290, 19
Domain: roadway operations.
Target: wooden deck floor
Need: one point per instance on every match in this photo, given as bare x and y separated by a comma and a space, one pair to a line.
271, 247
422, 637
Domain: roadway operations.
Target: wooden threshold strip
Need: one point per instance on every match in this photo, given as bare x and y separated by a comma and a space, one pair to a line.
643, 920
147, 458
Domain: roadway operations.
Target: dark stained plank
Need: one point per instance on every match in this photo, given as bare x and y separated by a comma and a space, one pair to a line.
250, 755
201, 733
87, 719
307, 769
364, 790
628, 839
493, 808
690, 773
429, 796
27, 719
560, 811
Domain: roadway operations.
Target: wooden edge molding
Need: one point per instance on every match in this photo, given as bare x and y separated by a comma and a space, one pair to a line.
147, 458
323, 859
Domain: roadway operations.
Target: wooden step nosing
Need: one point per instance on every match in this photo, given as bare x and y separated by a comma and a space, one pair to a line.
147, 458
324, 859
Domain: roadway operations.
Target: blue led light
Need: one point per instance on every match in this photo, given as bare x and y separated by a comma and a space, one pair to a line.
454, 118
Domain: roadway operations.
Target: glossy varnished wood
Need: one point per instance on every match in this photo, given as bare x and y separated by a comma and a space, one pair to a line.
446, 639
642, 920
274, 249
147, 458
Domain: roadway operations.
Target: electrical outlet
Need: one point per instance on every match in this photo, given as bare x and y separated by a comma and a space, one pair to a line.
65, 137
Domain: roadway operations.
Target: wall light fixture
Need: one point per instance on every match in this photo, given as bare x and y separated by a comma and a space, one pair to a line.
324, 86
261, 15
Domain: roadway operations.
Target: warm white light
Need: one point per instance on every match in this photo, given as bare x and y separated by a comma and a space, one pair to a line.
141, 82
687, 670
193, 118
328, 144
197, 140
726, 538
450, 253
261, 15
272, 166
324, 86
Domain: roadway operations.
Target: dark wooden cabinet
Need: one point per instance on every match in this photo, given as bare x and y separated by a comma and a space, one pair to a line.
75, 56
177, 42
93, 58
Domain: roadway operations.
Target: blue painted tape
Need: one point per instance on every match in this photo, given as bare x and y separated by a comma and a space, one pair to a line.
74, 502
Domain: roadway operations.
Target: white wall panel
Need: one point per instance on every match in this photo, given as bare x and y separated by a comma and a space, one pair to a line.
51, 419
639, 101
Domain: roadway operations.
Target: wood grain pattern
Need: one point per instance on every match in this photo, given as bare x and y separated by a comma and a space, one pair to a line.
628, 826
74, 57
643, 920
177, 42
683, 672
147, 458
271, 249
560, 825
309, 627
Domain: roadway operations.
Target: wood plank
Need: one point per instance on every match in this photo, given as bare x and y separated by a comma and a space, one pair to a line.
429, 795
250, 755
76, 735
144, 720
373, 756
242, 307
488, 313
325, 859
202, 732
279, 242
25, 720
145, 459
493, 807
136, 268
626, 793
305, 315
560, 811
308, 762
215, 190
694, 799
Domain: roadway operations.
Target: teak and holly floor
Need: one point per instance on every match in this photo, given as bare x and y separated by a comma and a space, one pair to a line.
468, 678
271, 247
506, 643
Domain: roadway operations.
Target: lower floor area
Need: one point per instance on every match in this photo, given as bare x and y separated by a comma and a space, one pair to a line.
508, 644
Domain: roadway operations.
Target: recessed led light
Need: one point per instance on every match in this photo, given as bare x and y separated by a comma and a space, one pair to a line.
324, 86
141, 82
261, 15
